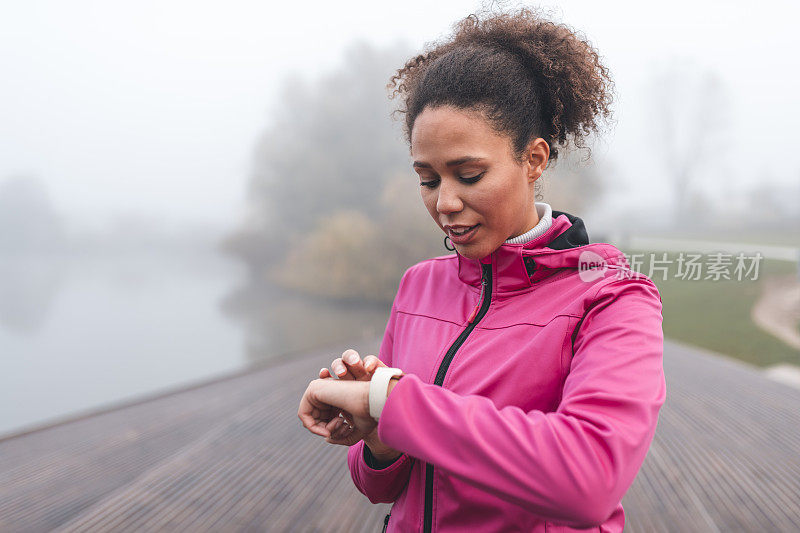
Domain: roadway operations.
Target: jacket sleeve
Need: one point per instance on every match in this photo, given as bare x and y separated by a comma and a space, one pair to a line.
571, 466
381, 482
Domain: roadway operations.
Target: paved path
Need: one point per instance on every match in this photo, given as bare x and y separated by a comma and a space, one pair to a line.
662, 244
777, 310
231, 455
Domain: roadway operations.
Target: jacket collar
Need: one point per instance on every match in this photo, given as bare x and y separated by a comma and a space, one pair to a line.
518, 266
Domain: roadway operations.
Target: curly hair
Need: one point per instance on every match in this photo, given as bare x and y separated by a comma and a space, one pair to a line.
528, 76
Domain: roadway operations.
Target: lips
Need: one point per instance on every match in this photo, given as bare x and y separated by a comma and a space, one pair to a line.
463, 235
462, 231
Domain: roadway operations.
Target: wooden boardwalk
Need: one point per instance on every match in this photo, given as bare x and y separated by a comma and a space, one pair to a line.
231, 455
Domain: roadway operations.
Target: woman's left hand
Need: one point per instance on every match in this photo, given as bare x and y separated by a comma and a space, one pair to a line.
322, 401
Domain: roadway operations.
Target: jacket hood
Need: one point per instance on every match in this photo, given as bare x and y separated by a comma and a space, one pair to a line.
565, 245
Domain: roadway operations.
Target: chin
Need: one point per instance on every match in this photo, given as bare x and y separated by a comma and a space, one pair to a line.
473, 252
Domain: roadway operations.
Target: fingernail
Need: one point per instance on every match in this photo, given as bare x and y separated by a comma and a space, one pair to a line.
339, 369
352, 357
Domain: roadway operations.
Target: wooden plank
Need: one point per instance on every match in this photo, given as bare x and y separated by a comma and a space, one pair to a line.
232, 455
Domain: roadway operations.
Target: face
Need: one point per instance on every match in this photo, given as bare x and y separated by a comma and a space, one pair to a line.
469, 179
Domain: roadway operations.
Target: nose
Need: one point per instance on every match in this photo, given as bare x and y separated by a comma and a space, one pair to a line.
449, 200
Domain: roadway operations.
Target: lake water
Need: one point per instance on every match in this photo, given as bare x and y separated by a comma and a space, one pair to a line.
79, 334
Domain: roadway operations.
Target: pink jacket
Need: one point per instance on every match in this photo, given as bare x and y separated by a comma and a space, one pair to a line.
537, 414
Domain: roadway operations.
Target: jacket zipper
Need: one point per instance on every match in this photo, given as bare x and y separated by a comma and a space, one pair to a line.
475, 317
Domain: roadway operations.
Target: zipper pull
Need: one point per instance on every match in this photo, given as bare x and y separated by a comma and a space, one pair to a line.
472, 315
478, 305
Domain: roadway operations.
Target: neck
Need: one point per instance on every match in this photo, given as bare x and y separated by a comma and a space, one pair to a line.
545, 213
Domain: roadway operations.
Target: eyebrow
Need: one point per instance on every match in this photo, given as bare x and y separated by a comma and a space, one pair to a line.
453, 163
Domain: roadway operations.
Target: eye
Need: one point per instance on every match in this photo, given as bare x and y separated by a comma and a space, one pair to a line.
473, 179
433, 183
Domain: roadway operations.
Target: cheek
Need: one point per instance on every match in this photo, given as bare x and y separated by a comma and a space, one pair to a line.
429, 199
497, 205
487, 203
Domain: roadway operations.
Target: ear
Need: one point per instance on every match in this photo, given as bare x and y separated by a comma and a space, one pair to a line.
537, 155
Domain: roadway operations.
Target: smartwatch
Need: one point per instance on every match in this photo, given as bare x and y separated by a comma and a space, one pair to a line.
378, 389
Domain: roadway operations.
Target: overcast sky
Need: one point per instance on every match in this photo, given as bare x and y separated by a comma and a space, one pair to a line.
153, 107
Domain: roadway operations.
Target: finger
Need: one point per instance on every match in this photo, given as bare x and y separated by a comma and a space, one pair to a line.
314, 426
347, 437
319, 429
340, 369
324, 414
334, 424
325, 374
304, 412
354, 364
347, 419
345, 433
341, 432
339, 440
371, 362
344, 423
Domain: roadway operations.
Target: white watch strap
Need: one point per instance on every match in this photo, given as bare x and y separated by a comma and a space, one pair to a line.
378, 389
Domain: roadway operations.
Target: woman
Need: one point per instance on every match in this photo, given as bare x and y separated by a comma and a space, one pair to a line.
519, 380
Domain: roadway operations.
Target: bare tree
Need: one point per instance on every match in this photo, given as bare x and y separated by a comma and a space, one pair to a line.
28, 221
332, 189
330, 146
689, 114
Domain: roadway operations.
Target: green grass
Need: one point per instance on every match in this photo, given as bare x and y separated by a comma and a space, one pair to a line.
716, 314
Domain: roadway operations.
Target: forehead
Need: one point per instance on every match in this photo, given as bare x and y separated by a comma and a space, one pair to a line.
444, 133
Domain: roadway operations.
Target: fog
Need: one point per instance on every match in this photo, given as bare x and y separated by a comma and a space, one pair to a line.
154, 108
171, 173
